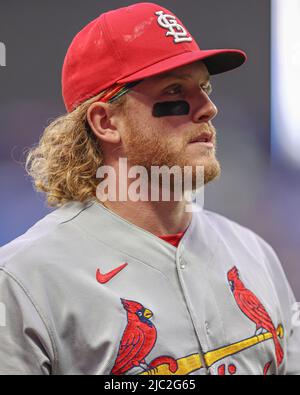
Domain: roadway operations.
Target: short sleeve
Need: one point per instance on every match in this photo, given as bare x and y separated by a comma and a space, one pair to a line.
25, 345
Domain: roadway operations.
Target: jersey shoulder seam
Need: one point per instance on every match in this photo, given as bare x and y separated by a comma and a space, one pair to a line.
76, 214
29, 244
232, 222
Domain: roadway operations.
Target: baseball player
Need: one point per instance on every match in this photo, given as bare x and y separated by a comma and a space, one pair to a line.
125, 286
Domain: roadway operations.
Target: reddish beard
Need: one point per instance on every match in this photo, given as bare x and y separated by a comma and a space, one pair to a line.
154, 149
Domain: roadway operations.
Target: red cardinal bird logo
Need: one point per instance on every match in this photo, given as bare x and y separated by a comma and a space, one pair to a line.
138, 338
253, 309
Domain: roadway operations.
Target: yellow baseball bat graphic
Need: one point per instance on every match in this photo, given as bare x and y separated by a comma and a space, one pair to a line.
193, 362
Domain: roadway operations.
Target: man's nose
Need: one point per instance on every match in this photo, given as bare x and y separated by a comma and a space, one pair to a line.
205, 110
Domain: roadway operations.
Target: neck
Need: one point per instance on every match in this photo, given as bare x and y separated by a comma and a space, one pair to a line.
159, 218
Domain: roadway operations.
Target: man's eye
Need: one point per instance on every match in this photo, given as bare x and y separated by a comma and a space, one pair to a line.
174, 90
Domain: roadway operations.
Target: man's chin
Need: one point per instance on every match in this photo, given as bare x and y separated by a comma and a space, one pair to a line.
204, 171
212, 172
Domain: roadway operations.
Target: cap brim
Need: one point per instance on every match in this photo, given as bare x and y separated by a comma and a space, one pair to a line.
216, 60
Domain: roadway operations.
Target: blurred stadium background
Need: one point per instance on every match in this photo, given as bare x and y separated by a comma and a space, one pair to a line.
258, 122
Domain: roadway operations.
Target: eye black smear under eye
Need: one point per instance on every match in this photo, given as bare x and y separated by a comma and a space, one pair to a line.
170, 108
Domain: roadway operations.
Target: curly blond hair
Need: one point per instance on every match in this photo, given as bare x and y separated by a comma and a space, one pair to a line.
64, 163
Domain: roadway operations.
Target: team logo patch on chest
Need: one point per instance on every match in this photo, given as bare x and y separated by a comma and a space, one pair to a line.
140, 335
138, 340
251, 306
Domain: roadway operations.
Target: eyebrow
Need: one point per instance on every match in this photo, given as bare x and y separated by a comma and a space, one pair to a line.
179, 76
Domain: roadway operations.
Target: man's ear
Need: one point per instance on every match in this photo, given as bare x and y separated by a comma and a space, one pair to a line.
102, 122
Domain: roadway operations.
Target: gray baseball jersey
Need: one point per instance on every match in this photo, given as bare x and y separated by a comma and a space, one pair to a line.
86, 292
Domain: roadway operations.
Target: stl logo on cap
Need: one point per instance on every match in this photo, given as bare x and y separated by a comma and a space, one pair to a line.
176, 30
132, 43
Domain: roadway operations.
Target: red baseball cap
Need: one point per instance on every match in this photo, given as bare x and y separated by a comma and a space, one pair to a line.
130, 44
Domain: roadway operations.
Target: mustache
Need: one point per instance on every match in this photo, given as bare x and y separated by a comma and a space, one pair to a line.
207, 128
